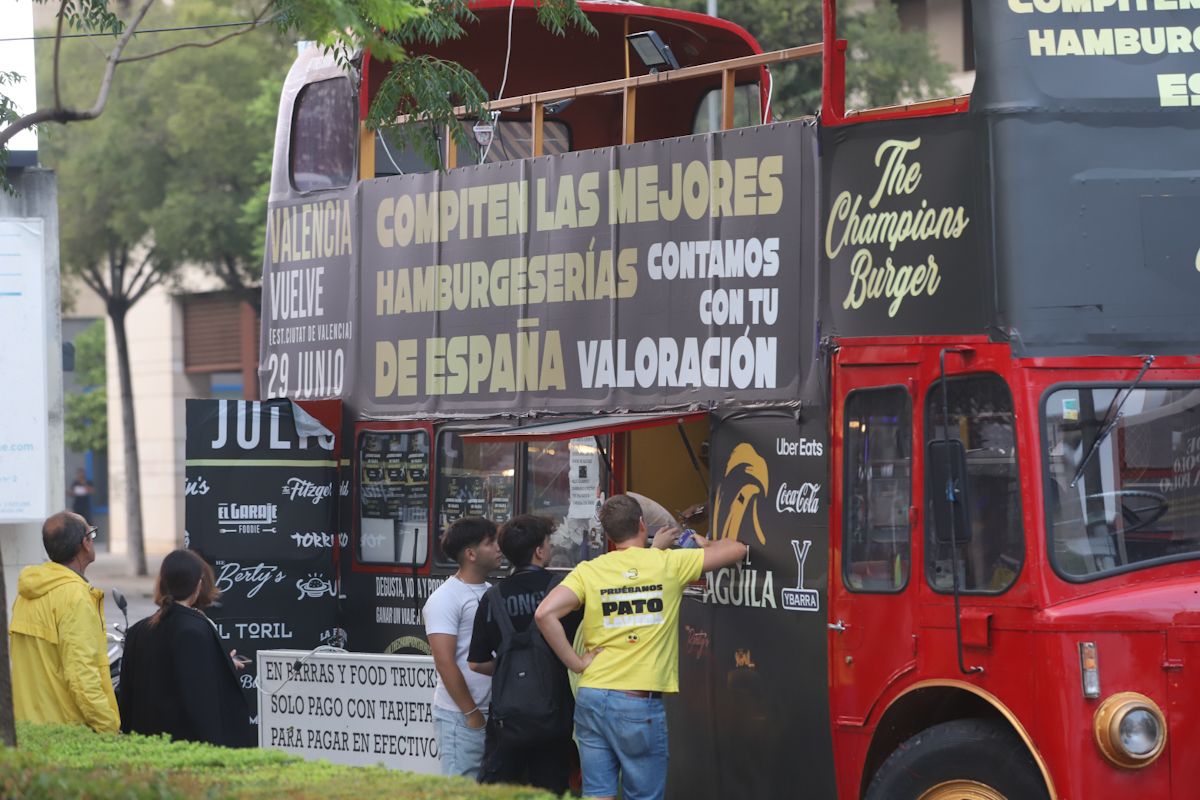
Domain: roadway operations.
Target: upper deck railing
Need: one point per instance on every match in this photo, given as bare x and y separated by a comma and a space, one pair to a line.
628, 88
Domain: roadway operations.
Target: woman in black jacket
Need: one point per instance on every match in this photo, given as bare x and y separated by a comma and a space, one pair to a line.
175, 676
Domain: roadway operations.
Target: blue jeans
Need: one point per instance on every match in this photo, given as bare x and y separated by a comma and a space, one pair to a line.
460, 748
622, 739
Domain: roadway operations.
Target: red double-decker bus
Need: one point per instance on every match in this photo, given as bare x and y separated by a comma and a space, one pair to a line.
937, 365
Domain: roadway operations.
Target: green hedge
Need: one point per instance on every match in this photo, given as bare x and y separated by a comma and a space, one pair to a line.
52, 762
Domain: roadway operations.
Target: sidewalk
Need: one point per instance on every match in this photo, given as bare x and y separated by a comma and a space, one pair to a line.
115, 571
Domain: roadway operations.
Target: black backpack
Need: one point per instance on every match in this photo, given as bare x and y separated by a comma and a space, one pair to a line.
529, 684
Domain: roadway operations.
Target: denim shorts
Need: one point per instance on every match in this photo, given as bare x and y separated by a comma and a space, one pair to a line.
460, 748
622, 740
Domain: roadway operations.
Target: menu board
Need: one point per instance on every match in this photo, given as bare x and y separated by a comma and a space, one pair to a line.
500, 498
393, 496
393, 482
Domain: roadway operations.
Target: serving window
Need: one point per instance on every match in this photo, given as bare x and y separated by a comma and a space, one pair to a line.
558, 479
410, 478
475, 479
565, 481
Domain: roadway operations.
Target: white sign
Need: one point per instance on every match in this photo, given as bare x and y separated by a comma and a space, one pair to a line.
584, 478
23, 425
358, 709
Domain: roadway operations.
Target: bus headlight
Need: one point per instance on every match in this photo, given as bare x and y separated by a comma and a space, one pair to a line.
1130, 730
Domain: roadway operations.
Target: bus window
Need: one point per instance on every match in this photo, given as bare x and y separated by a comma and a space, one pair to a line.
394, 155
878, 437
393, 522
324, 134
512, 139
475, 479
563, 481
981, 417
747, 109
1133, 502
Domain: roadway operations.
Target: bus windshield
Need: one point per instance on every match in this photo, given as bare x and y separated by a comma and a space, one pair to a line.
1136, 501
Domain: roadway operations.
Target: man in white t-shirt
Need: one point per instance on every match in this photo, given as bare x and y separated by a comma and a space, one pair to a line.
460, 701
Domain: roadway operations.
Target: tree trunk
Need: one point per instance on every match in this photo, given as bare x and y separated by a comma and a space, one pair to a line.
8, 727
133, 480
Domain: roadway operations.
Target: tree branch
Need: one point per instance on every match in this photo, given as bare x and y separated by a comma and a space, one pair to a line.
153, 279
144, 280
137, 275
92, 279
60, 114
62, 9
257, 22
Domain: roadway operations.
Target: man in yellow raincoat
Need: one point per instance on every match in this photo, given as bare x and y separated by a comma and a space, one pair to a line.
56, 637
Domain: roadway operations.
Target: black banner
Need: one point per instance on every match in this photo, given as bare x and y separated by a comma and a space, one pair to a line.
900, 229
261, 509
753, 712
1085, 118
657, 274
1109, 56
309, 291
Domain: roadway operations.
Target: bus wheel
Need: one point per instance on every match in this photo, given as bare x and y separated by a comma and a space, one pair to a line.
966, 759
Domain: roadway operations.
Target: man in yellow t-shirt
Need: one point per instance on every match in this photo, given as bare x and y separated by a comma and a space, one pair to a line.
630, 598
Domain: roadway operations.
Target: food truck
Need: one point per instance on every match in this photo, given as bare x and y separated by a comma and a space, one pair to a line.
937, 365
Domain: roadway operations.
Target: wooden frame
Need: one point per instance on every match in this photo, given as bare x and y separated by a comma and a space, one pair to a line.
628, 87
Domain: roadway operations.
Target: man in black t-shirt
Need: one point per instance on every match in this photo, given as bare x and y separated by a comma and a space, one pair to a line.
525, 541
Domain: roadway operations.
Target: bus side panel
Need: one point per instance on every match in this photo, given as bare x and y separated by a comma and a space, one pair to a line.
384, 591
752, 716
381, 611
260, 508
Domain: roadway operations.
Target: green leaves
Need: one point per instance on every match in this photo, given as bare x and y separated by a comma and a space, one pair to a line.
8, 114
424, 88
558, 15
8, 110
346, 28
173, 160
444, 21
56, 761
87, 421
427, 89
87, 409
888, 65
91, 15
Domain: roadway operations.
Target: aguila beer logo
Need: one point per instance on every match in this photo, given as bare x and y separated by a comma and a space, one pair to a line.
745, 483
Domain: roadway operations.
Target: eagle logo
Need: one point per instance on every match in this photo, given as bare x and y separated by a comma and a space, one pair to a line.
744, 483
